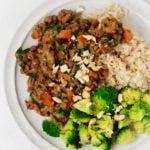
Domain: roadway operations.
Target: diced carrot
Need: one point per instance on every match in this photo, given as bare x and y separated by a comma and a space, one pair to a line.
127, 35
64, 34
35, 32
81, 39
46, 98
109, 30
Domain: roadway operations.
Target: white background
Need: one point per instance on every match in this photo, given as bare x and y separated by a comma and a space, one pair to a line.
12, 14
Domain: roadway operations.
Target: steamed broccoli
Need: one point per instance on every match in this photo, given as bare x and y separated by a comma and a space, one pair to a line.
147, 129
130, 96
71, 139
105, 126
124, 111
96, 137
73, 147
104, 98
126, 121
84, 105
146, 119
99, 130
70, 125
84, 134
69, 135
125, 136
79, 116
105, 145
146, 97
146, 122
92, 120
134, 113
51, 128
138, 111
139, 126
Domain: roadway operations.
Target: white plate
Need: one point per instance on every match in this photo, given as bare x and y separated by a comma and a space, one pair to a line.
15, 84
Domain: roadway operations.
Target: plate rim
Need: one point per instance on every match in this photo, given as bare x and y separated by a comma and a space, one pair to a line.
8, 55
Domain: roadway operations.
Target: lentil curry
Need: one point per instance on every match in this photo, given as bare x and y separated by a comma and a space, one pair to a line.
63, 67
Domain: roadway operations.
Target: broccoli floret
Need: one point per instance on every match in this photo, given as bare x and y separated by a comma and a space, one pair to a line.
84, 134
146, 97
79, 116
139, 127
125, 136
70, 138
124, 111
138, 111
146, 122
70, 125
147, 108
51, 128
130, 96
125, 122
103, 99
84, 105
69, 135
72, 147
147, 128
105, 126
105, 145
96, 137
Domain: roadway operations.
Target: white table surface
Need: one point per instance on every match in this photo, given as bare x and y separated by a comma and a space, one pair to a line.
12, 13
